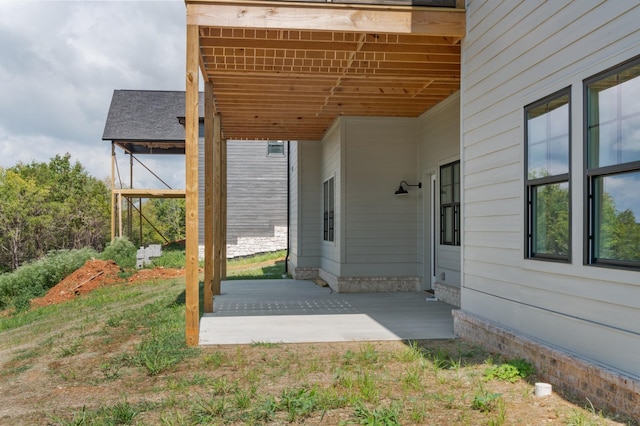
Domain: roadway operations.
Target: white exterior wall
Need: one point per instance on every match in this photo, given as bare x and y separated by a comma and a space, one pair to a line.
294, 214
330, 161
516, 53
438, 144
305, 202
380, 228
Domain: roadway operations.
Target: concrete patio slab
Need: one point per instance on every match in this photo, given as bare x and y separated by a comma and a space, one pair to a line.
292, 311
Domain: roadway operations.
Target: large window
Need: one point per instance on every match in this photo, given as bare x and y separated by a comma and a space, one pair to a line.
612, 121
329, 203
450, 204
547, 142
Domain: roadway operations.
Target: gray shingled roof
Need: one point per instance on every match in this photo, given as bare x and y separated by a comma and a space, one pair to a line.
138, 118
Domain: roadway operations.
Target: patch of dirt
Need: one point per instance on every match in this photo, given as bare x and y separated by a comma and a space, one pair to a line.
157, 273
99, 273
94, 274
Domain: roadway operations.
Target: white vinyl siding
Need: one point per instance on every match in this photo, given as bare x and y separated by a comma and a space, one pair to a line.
309, 203
438, 144
514, 54
381, 228
330, 162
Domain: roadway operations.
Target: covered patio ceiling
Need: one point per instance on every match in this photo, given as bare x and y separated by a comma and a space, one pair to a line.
287, 70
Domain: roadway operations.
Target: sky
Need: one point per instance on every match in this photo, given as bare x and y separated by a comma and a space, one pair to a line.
60, 62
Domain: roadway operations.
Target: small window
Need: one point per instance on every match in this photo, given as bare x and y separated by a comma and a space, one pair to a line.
547, 142
612, 169
275, 148
329, 203
450, 204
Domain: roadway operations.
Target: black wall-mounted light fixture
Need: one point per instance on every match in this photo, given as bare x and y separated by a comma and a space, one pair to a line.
402, 191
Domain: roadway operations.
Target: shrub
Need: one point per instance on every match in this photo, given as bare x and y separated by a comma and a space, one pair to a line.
122, 251
510, 372
36, 278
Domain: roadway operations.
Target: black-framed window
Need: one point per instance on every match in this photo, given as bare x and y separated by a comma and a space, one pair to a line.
612, 166
547, 177
450, 204
329, 207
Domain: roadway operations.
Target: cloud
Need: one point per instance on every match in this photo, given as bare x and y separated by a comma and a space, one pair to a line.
61, 61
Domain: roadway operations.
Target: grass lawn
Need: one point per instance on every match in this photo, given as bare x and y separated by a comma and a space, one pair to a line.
117, 356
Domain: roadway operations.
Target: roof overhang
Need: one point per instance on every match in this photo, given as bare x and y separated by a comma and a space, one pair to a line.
287, 70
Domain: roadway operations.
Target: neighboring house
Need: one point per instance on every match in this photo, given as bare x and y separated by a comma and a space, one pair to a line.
145, 122
526, 214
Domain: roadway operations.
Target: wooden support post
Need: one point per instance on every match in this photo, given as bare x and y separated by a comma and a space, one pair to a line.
140, 221
120, 215
192, 296
217, 192
130, 201
208, 196
113, 195
223, 211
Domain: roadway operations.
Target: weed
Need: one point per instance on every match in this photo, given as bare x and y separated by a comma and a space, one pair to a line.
172, 419
484, 401
222, 386
209, 410
367, 387
215, 359
265, 410
70, 349
243, 398
380, 416
14, 370
298, 403
121, 413
412, 353
501, 416
511, 371
412, 379
368, 355
111, 369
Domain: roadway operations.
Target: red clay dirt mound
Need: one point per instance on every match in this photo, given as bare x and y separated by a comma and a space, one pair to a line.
98, 273
95, 273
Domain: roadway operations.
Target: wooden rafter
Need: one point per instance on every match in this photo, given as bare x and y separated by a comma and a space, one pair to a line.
287, 70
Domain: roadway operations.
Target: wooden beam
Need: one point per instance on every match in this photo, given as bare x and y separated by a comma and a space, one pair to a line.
192, 295
150, 193
217, 200
328, 17
113, 195
119, 215
223, 211
208, 196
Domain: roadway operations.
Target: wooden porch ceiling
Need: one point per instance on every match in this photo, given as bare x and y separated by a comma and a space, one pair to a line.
286, 71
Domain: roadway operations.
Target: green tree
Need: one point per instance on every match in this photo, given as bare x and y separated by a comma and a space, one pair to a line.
63, 208
625, 241
552, 219
22, 213
165, 217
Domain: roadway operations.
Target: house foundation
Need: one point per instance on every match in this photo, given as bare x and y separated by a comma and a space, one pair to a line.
605, 388
447, 293
369, 284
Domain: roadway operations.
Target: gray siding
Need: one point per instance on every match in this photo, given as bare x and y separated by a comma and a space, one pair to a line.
516, 53
256, 191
